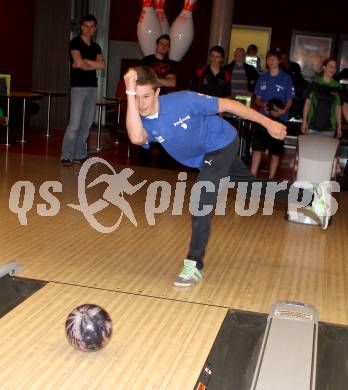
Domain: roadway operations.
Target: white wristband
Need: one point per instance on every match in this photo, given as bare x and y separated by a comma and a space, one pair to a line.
130, 92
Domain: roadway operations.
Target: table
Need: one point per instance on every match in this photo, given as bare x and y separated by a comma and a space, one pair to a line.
18, 95
49, 93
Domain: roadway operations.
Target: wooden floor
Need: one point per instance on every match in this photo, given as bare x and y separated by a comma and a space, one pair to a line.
162, 334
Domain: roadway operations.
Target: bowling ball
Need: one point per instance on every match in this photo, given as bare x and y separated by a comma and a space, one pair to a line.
275, 104
88, 328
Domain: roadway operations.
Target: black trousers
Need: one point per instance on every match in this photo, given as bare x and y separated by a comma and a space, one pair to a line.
220, 164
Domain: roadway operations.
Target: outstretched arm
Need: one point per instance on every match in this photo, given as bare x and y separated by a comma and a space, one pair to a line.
136, 132
275, 129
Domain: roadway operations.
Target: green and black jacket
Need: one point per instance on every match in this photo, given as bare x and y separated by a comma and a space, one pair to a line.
324, 98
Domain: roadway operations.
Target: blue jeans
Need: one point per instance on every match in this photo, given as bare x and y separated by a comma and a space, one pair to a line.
82, 109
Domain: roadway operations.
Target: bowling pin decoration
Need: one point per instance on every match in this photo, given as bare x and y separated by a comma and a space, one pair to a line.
161, 15
181, 32
148, 28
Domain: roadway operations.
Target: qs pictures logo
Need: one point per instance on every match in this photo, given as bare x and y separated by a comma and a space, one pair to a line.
160, 196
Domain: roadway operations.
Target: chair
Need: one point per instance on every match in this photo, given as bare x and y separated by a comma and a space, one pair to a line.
116, 116
117, 113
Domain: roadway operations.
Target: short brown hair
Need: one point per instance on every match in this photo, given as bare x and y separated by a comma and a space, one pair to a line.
163, 36
146, 76
329, 59
274, 53
218, 49
88, 18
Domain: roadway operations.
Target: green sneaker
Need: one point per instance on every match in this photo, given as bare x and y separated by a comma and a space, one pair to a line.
321, 206
189, 275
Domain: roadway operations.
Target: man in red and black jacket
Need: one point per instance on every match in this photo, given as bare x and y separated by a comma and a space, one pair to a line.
212, 79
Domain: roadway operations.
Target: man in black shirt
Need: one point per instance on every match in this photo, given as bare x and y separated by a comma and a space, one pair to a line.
166, 77
85, 58
161, 64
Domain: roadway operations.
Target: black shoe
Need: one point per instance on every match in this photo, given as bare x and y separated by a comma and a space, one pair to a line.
79, 160
65, 161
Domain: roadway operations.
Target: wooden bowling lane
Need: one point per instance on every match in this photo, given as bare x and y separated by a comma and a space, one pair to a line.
251, 262
156, 343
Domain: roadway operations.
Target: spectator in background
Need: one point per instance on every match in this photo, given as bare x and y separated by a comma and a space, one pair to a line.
212, 79
166, 77
161, 64
243, 76
293, 69
85, 58
274, 92
252, 51
322, 110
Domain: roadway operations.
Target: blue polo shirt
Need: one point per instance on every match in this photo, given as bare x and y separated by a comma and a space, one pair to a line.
187, 127
275, 87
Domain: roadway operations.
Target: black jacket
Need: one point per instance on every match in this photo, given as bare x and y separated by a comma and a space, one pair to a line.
204, 81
